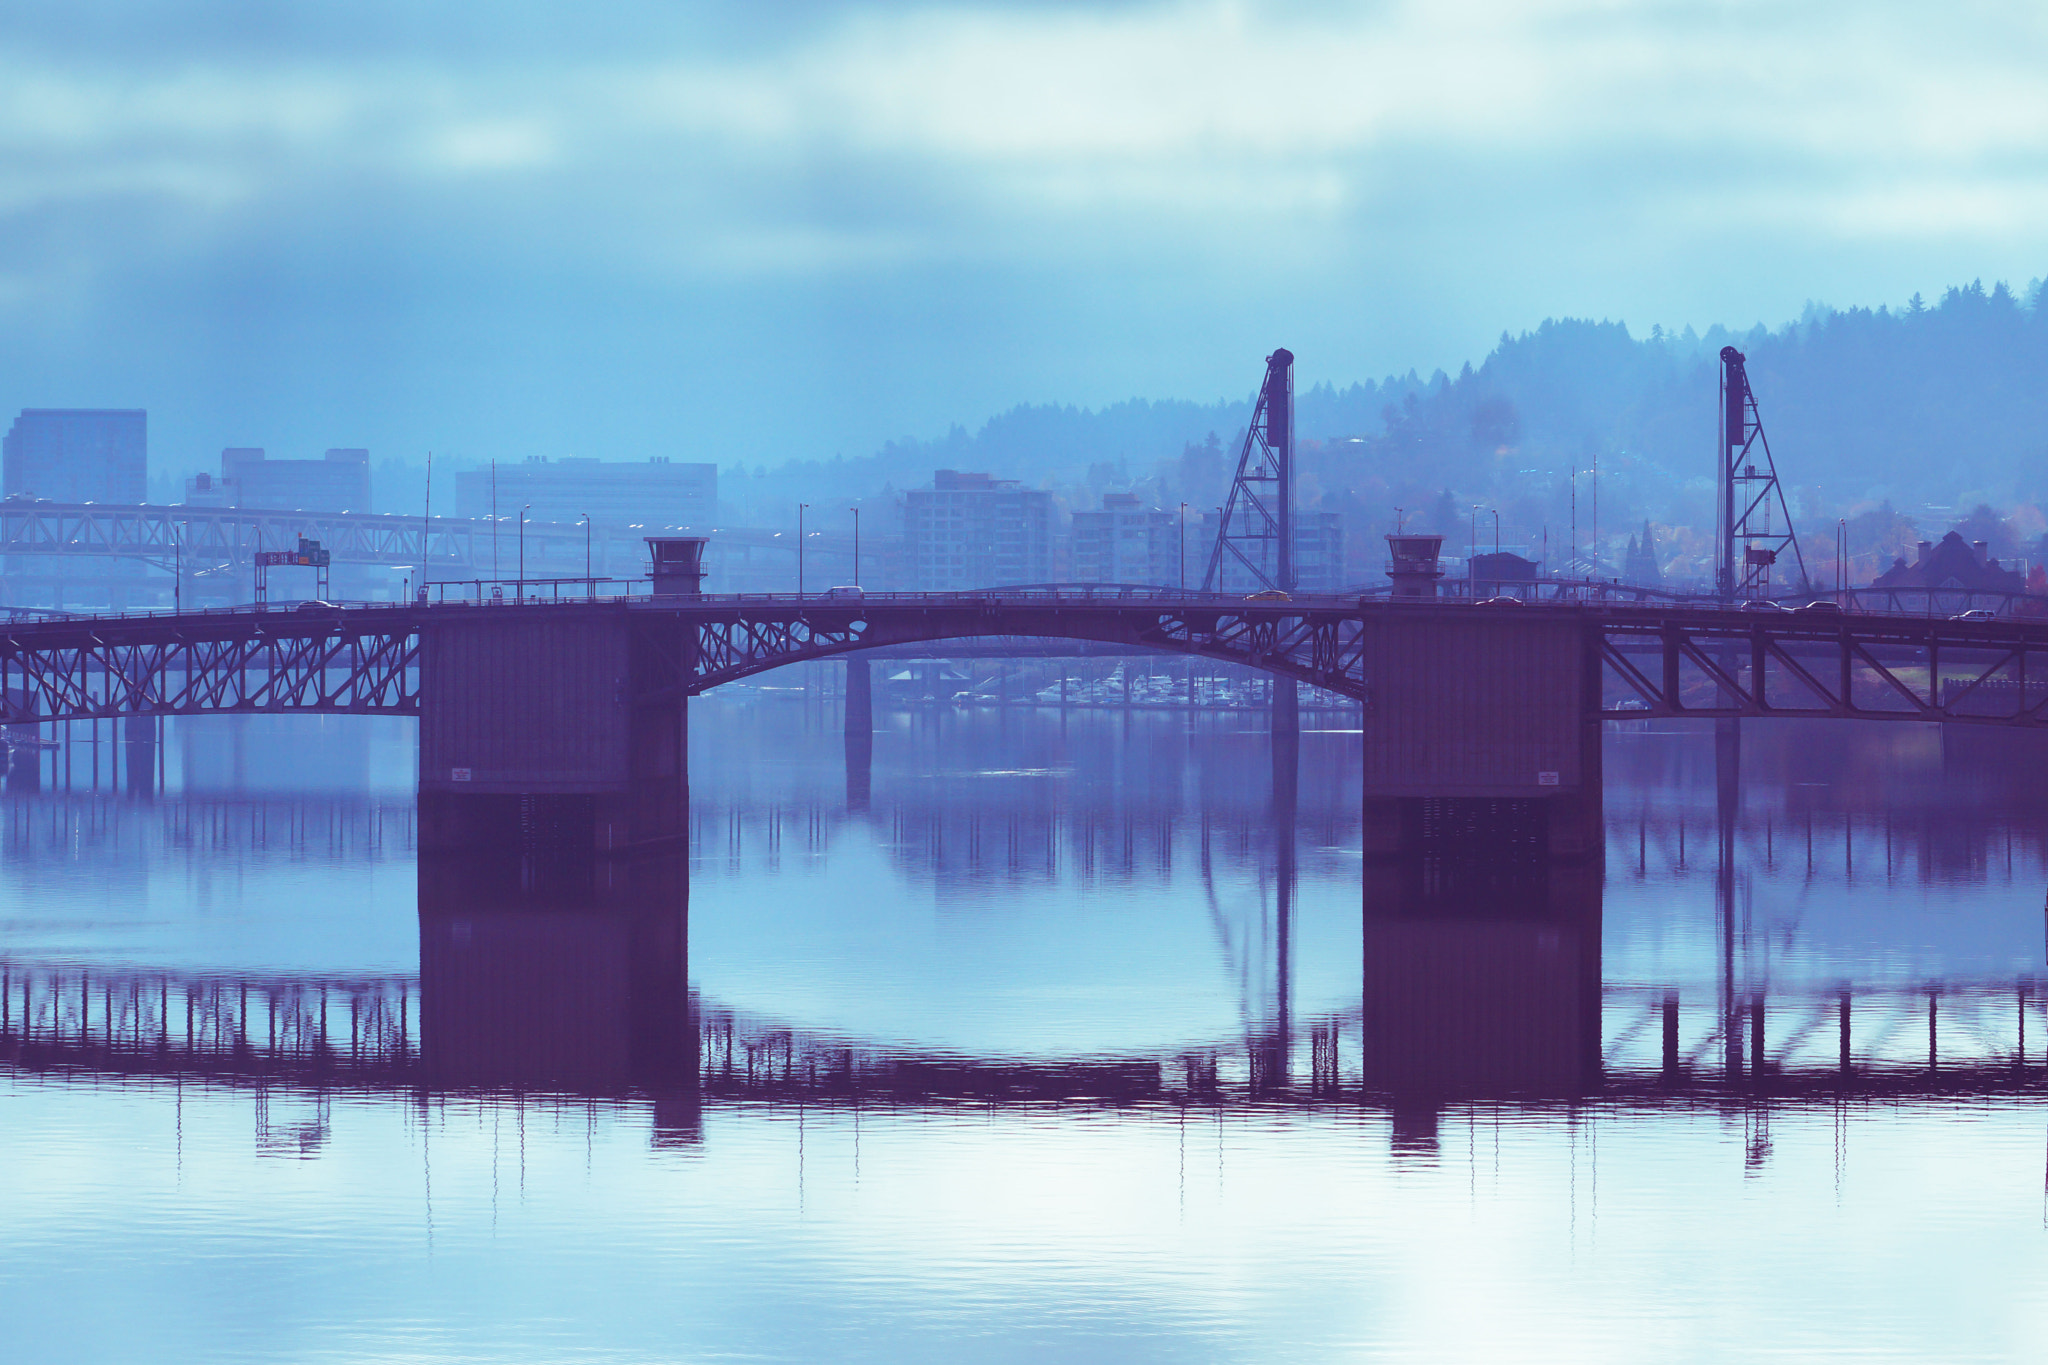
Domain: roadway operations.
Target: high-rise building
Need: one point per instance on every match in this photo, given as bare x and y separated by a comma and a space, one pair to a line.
78, 455
1127, 542
974, 531
1318, 556
660, 494
249, 478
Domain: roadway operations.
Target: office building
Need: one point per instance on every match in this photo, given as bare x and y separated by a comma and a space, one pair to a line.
249, 478
78, 455
1126, 542
659, 494
974, 531
1318, 555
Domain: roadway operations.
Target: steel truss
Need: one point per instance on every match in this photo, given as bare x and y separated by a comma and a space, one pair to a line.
1856, 667
1256, 529
1673, 661
1321, 644
1751, 545
171, 666
204, 538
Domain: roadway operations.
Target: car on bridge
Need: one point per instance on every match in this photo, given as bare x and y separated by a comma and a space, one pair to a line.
1824, 606
1975, 614
1269, 595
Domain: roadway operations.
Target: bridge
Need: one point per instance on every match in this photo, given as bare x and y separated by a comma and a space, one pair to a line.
582, 701
435, 1033
1655, 660
209, 544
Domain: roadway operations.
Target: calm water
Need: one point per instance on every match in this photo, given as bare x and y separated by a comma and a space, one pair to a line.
1034, 1050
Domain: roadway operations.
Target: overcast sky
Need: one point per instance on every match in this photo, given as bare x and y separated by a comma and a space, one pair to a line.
770, 230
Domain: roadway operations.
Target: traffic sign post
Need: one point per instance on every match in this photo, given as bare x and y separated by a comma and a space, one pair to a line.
310, 554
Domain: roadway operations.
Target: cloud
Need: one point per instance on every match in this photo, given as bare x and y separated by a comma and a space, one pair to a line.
1451, 168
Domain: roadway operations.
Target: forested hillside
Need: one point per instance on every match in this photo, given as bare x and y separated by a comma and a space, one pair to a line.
1889, 416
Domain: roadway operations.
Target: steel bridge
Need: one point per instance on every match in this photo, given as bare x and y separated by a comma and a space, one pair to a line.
373, 1032
1654, 661
196, 540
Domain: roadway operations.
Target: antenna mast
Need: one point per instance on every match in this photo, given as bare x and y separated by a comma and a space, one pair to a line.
1257, 529
1749, 547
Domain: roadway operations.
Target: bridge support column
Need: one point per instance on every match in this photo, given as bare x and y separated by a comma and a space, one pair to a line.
1483, 855
138, 752
554, 736
860, 732
1286, 738
24, 751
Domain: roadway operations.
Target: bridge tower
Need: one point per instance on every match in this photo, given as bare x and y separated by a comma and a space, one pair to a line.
1751, 545
1257, 526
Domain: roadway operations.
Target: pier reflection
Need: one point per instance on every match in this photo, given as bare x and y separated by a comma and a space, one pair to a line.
1487, 967
566, 984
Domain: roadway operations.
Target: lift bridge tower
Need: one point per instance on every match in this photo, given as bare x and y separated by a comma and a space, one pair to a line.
1751, 498
1257, 526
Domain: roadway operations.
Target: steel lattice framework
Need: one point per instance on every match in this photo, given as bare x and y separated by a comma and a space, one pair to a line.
1257, 530
1731, 663
204, 537
1656, 661
361, 662
1317, 642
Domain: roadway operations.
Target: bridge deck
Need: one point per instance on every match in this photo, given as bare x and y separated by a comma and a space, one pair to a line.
1655, 660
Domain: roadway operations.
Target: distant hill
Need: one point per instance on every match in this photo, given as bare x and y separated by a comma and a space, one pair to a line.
1930, 407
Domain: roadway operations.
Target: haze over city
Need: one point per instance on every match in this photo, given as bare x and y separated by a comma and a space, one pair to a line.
750, 236
1084, 681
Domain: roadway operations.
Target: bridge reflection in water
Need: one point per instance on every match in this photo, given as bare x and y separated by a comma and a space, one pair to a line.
549, 972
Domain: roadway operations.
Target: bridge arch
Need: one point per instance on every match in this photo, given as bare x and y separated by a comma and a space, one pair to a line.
1315, 642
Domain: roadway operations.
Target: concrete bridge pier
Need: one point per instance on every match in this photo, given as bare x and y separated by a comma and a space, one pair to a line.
1483, 856
557, 738
138, 753
24, 750
1485, 726
860, 732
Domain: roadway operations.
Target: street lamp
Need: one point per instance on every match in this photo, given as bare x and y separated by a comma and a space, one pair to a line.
589, 583
801, 508
522, 549
856, 545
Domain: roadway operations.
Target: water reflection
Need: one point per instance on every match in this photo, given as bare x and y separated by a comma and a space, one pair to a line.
1479, 974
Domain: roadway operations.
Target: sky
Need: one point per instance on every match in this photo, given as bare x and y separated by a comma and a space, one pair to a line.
749, 233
